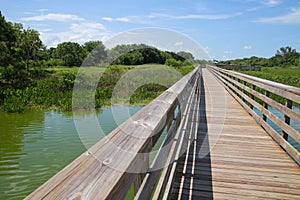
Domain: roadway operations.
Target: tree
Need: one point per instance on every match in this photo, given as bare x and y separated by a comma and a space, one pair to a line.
286, 55
186, 55
131, 58
285, 51
31, 45
114, 54
71, 53
173, 63
168, 54
4, 53
91, 45
136, 54
8, 38
152, 55
11, 57
97, 53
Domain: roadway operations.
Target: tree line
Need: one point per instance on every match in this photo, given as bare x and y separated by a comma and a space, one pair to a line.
284, 57
23, 54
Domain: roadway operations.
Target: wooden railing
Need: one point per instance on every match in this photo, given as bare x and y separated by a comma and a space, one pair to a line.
109, 168
239, 67
252, 92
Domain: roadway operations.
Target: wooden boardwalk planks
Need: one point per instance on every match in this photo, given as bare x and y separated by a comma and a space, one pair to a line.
229, 155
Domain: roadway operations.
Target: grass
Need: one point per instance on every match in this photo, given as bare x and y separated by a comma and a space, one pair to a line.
285, 75
56, 89
288, 75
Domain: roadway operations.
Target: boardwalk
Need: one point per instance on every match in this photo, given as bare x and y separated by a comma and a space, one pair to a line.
214, 148
242, 161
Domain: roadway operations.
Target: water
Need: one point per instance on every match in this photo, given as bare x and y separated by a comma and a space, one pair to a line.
36, 145
293, 124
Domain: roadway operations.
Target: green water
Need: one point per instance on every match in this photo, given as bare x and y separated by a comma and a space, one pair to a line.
36, 145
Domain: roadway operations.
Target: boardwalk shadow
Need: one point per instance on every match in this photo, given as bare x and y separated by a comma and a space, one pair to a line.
194, 181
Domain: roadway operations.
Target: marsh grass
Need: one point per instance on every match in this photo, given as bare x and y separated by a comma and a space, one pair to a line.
285, 75
54, 91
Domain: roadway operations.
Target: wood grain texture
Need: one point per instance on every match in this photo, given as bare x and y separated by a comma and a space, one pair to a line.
289, 92
231, 85
216, 149
244, 162
109, 168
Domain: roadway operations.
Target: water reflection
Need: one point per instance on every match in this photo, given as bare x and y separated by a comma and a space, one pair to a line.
37, 144
13, 123
13, 133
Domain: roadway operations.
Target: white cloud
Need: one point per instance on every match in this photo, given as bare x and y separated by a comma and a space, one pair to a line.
147, 19
84, 27
290, 18
45, 30
130, 19
119, 19
264, 4
271, 3
107, 19
228, 52
178, 44
78, 29
53, 17
77, 32
207, 49
247, 47
209, 17
40, 25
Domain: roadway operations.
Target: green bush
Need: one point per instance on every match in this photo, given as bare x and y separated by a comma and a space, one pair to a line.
53, 62
173, 63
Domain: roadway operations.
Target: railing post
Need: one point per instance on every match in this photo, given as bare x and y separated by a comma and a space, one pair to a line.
267, 93
252, 97
140, 177
289, 104
170, 120
244, 91
239, 80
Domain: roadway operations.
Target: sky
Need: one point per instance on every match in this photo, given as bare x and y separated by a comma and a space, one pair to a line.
226, 29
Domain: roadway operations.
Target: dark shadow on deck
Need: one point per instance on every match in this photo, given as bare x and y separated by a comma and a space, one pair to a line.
197, 178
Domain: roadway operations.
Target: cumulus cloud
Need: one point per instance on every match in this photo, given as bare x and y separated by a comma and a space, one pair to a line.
291, 18
53, 17
77, 32
77, 29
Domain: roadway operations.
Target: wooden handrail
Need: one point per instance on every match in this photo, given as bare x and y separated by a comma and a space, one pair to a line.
109, 168
172, 144
245, 93
286, 91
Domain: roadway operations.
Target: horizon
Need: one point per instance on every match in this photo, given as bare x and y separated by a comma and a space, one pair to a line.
224, 29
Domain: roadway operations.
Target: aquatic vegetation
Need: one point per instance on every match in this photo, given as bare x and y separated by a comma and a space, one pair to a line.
54, 89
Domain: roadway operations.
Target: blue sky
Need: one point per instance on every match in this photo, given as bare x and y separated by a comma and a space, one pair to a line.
225, 29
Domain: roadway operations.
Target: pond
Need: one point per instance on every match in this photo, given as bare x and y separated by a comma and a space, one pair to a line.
35, 145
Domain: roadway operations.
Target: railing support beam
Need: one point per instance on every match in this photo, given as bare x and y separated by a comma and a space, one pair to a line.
267, 93
289, 104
